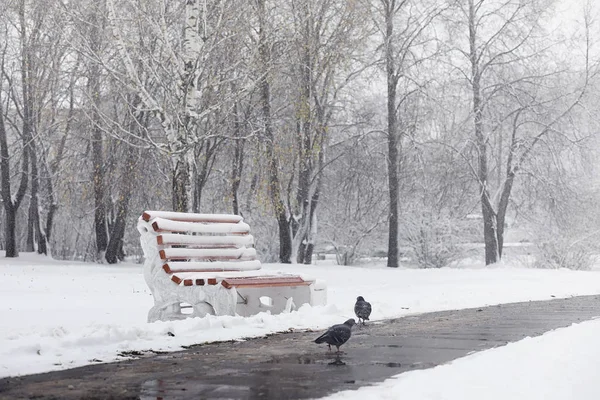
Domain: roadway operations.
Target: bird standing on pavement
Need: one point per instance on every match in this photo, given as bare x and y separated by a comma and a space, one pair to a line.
337, 335
362, 309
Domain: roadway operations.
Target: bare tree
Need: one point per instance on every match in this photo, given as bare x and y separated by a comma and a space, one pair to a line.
52, 166
11, 204
508, 64
24, 107
94, 90
355, 200
264, 55
45, 61
328, 36
182, 83
402, 25
135, 120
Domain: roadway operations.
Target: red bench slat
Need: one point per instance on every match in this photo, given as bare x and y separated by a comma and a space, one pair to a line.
191, 282
268, 281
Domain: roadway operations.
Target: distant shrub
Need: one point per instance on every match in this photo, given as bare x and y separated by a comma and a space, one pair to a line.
561, 253
432, 241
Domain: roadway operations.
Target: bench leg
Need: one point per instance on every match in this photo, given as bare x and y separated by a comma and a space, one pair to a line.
203, 300
202, 309
165, 312
170, 312
273, 299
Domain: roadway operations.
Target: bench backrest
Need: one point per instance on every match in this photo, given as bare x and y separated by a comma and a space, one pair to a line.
189, 242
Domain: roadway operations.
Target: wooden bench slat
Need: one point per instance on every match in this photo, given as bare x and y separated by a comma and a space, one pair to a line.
190, 281
242, 282
208, 241
165, 225
266, 281
191, 217
241, 254
220, 275
218, 266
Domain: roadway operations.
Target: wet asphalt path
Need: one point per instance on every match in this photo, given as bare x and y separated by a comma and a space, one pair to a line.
291, 366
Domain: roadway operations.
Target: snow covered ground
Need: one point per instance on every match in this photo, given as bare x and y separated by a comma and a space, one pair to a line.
60, 314
559, 365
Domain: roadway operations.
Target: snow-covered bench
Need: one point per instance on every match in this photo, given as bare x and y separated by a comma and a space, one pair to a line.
198, 264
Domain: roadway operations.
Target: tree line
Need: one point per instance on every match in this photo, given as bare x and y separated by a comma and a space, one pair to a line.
404, 129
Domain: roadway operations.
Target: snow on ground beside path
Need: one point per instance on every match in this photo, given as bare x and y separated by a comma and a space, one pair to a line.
559, 365
61, 314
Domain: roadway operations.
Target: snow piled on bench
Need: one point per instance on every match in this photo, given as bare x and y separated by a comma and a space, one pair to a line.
60, 314
243, 253
253, 265
222, 227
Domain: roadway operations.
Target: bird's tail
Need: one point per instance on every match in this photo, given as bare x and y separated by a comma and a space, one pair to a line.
321, 339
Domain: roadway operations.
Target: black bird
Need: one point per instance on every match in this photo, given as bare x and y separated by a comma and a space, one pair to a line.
362, 309
337, 335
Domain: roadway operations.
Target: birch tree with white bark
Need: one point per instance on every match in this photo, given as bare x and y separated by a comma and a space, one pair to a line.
172, 81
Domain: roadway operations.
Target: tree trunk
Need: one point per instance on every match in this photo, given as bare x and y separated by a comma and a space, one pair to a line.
237, 162
100, 223
183, 188
114, 249
309, 233
30, 241
502, 207
392, 140
202, 169
489, 229
487, 209
35, 232
10, 234
27, 75
200, 176
304, 113
285, 240
9, 209
308, 248
180, 185
54, 167
11, 206
98, 184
